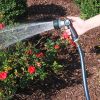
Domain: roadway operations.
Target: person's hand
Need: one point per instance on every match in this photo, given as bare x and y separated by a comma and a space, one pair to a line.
78, 24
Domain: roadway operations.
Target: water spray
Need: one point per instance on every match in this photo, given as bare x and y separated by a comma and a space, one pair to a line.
16, 34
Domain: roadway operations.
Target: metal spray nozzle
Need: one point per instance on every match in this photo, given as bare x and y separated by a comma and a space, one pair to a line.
61, 23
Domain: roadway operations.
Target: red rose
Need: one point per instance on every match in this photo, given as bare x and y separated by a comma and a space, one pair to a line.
29, 52
56, 46
72, 42
31, 69
65, 35
3, 75
39, 55
1, 26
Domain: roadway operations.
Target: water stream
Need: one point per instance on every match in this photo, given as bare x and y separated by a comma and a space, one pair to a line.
16, 34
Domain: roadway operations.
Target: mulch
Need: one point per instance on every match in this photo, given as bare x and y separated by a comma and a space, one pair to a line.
68, 84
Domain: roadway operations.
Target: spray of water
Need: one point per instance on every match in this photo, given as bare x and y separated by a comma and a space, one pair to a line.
16, 34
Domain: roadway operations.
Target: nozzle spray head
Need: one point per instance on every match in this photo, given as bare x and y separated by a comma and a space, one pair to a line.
61, 23
58, 24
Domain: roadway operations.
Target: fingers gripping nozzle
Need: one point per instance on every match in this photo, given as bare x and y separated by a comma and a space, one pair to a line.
61, 23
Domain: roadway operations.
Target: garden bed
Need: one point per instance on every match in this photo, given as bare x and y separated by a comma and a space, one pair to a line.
67, 84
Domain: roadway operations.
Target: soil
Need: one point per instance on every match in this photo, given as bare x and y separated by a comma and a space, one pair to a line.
66, 85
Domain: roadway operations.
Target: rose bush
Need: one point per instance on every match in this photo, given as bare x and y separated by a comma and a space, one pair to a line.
11, 9
23, 62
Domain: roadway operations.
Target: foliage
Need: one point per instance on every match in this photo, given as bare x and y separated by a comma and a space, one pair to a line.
25, 61
88, 8
10, 9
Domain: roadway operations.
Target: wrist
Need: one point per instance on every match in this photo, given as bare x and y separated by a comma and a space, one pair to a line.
87, 25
